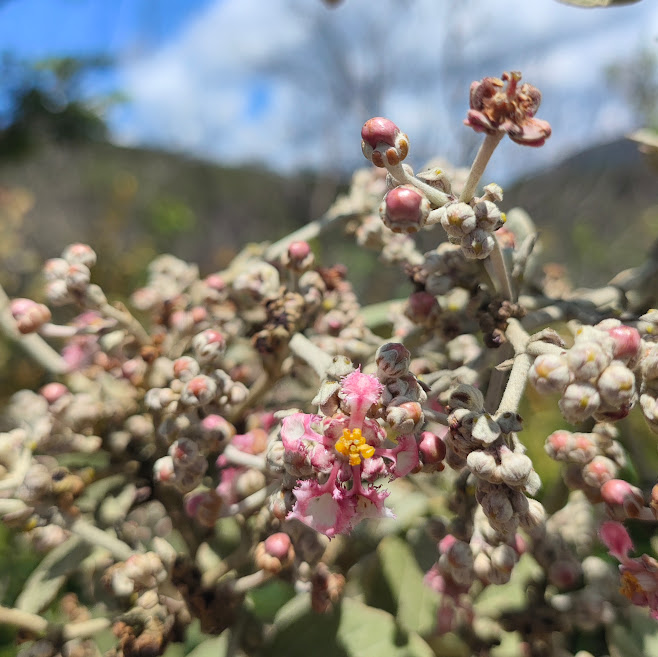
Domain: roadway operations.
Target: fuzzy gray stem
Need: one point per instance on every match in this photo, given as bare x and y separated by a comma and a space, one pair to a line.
303, 348
485, 152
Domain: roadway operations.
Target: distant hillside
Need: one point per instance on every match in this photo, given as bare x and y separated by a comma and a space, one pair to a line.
132, 203
597, 211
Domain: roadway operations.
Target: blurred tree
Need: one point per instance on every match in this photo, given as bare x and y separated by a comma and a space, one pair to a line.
44, 100
637, 79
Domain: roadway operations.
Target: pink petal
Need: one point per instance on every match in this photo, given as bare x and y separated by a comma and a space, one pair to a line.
616, 539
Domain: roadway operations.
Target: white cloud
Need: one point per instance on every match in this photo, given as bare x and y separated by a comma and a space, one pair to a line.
253, 80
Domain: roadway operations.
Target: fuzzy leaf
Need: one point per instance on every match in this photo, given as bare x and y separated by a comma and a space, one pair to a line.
635, 636
416, 603
215, 647
49, 576
351, 630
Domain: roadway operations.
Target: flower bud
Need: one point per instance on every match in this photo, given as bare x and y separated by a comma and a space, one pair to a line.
275, 553
627, 342
458, 219
422, 308
483, 464
599, 470
404, 209
514, 468
436, 178
493, 192
616, 385
186, 368
29, 315
578, 402
488, 216
550, 373
79, 254
198, 391
55, 268
534, 516
478, 244
392, 360
209, 347
163, 469
432, 450
77, 277
648, 324
298, 257
468, 397
617, 493
383, 142
587, 359
52, 392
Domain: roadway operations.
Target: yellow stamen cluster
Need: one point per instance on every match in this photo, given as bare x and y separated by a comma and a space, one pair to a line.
629, 585
354, 445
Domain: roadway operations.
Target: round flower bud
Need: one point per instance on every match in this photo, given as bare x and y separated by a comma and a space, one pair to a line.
209, 347
514, 468
422, 308
298, 257
599, 470
275, 553
468, 397
432, 451
57, 292
53, 392
619, 494
185, 368
616, 384
405, 418
79, 254
55, 268
392, 360
436, 178
478, 244
458, 219
648, 324
198, 391
493, 192
587, 360
534, 516
488, 216
404, 209
578, 402
483, 464
78, 277
627, 342
163, 469
30, 316
383, 142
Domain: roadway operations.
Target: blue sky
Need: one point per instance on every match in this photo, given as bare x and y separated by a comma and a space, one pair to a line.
289, 82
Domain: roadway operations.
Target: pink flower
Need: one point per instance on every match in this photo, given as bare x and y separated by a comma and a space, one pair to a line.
338, 458
639, 576
511, 110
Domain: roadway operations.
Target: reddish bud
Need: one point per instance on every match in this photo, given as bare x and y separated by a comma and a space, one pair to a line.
53, 391
404, 209
379, 130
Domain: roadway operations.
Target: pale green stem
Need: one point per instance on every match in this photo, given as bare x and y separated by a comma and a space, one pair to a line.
436, 196
303, 348
485, 152
32, 343
97, 537
40, 626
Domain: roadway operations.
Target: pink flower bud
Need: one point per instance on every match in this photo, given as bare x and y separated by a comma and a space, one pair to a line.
617, 385
382, 141
55, 268
627, 342
599, 470
404, 209
186, 368
278, 545
432, 449
53, 391
422, 307
215, 282
559, 444
79, 254
30, 316
619, 493
198, 391
209, 347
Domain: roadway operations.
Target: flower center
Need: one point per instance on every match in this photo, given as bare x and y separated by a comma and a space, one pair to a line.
354, 445
629, 585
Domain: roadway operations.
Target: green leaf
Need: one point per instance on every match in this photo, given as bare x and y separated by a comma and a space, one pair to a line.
49, 576
416, 603
636, 637
351, 630
268, 599
597, 3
